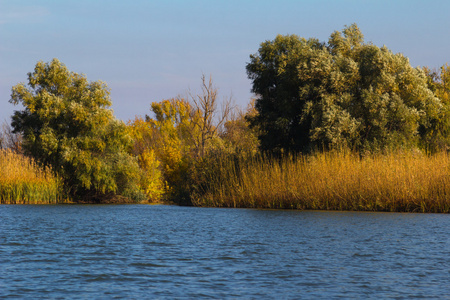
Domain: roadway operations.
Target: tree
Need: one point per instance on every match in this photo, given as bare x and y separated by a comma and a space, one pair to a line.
439, 83
239, 137
204, 116
10, 140
178, 138
144, 136
344, 93
174, 146
273, 71
66, 123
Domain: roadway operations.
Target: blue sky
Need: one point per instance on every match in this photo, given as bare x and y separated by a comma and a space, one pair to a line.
153, 50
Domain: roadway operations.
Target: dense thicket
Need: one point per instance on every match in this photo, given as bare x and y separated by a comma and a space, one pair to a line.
178, 145
66, 123
343, 93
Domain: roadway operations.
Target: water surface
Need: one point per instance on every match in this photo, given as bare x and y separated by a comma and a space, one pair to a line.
142, 251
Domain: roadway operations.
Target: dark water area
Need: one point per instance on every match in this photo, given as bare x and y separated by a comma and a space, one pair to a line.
167, 252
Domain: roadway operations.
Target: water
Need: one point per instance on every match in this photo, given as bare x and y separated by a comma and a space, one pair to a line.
166, 252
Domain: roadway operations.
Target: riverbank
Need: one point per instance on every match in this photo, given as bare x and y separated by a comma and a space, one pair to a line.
396, 182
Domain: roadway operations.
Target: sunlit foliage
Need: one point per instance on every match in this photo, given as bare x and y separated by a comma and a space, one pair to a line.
238, 137
23, 181
181, 138
439, 135
343, 93
165, 147
66, 123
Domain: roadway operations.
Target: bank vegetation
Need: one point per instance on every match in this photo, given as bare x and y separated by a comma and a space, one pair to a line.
23, 181
336, 125
335, 180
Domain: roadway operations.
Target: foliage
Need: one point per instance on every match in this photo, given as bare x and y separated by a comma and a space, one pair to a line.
238, 136
178, 140
174, 145
344, 93
9, 139
439, 83
66, 123
23, 181
143, 135
165, 147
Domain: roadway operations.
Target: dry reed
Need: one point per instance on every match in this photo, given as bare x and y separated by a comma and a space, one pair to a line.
22, 181
401, 182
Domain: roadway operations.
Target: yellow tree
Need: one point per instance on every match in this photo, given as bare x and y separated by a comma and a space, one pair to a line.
239, 136
165, 149
177, 138
443, 90
151, 181
173, 144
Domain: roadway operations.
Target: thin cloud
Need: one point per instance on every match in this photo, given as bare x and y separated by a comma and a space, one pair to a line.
24, 14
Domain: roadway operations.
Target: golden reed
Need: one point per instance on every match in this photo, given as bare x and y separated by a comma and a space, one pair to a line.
22, 181
397, 182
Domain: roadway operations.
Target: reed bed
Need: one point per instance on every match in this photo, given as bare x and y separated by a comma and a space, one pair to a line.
22, 181
400, 182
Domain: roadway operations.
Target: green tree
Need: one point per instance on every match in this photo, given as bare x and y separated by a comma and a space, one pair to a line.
273, 71
439, 83
66, 123
344, 93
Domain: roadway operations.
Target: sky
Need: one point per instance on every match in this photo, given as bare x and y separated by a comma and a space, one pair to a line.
148, 51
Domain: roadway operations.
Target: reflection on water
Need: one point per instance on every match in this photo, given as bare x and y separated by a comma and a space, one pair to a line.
139, 251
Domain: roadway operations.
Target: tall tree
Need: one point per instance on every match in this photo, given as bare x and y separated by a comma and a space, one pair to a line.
344, 93
205, 116
66, 123
439, 83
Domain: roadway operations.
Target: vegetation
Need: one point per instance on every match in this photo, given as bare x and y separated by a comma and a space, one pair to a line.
344, 93
22, 181
402, 181
66, 124
178, 141
342, 125
10, 140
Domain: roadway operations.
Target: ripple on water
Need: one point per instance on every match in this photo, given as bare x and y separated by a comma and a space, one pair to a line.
135, 251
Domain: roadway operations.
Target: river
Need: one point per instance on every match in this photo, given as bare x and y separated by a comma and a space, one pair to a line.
167, 252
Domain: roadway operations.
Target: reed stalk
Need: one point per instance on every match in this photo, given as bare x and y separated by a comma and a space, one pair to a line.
22, 181
397, 182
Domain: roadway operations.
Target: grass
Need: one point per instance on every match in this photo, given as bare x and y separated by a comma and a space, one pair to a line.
22, 181
400, 182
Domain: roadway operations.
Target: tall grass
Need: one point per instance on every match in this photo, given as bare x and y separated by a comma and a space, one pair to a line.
401, 182
22, 181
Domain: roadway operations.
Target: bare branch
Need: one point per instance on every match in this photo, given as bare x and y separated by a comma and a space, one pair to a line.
205, 115
9, 139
